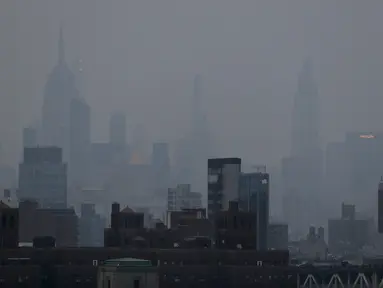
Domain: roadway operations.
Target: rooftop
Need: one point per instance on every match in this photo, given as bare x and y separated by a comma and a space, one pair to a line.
128, 262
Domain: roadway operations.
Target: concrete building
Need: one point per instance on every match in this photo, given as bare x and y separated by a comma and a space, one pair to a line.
182, 197
43, 177
223, 183
254, 197
127, 273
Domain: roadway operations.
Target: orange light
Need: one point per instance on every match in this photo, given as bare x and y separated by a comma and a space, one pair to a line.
368, 136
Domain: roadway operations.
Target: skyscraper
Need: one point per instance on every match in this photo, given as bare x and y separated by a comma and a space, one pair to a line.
305, 122
59, 90
200, 139
161, 167
117, 129
305, 169
43, 177
254, 197
223, 183
79, 141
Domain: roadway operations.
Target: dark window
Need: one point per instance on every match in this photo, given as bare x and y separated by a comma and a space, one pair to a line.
235, 224
109, 284
136, 283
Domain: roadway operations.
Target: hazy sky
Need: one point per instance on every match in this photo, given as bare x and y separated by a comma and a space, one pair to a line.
141, 56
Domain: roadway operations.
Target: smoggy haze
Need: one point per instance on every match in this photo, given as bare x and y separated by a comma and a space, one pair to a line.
141, 57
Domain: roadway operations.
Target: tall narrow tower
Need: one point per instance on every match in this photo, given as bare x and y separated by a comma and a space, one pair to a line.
305, 122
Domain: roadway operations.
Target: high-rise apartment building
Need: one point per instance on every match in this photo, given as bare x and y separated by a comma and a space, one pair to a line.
223, 183
254, 197
43, 177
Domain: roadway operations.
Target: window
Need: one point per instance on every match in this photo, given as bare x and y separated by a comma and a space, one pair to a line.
109, 284
136, 283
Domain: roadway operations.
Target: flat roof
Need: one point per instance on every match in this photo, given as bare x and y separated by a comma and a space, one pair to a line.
128, 262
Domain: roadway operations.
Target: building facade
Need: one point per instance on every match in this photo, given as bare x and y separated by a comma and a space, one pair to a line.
223, 183
127, 273
254, 197
182, 197
43, 177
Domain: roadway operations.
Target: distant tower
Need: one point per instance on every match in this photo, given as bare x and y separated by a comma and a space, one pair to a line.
117, 129
380, 206
59, 91
29, 137
161, 167
305, 124
80, 138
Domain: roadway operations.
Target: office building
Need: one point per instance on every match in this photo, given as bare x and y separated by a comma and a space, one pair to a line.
182, 197
254, 197
223, 183
43, 177
59, 90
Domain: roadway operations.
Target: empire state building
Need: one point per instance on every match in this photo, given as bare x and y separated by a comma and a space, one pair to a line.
59, 90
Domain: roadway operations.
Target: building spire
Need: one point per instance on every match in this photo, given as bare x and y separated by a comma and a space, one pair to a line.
61, 50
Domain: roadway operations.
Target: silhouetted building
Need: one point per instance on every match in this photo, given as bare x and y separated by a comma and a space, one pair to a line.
254, 197
29, 137
182, 197
43, 177
235, 229
306, 157
9, 226
223, 183
91, 227
348, 234
125, 225
79, 141
61, 224
278, 236
59, 91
